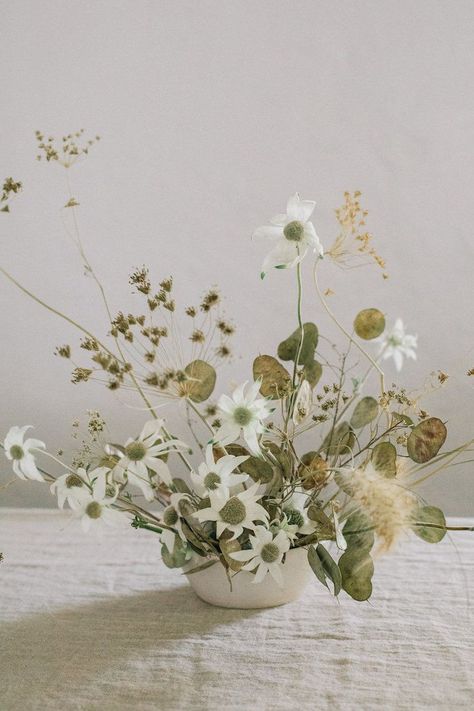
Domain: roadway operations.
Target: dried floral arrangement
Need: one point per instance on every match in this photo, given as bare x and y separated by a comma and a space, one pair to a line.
244, 494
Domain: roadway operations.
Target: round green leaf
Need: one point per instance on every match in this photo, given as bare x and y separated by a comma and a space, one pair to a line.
369, 324
276, 381
313, 372
365, 412
426, 439
358, 532
430, 515
340, 440
201, 380
384, 459
357, 569
288, 349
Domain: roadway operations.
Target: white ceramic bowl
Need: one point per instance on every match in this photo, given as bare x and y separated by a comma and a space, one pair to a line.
212, 585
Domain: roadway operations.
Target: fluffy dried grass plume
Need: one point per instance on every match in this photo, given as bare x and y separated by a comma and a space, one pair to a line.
389, 505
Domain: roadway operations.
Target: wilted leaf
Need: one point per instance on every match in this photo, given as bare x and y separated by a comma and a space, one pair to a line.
426, 439
365, 412
276, 381
369, 324
313, 470
384, 459
430, 515
288, 349
201, 380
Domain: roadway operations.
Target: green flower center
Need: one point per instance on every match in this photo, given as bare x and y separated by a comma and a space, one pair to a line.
395, 341
73, 480
270, 553
294, 231
233, 512
295, 518
135, 451
242, 416
16, 451
212, 481
94, 509
170, 516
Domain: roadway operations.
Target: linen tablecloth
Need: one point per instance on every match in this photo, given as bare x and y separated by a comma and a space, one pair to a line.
88, 624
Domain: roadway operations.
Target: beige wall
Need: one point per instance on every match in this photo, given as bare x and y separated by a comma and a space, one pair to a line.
212, 113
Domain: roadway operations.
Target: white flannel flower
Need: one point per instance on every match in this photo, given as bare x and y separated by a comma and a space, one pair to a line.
212, 475
293, 234
19, 451
233, 513
243, 412
142, 454
265, 555
398, 345
71, 486
296, 514
94, 507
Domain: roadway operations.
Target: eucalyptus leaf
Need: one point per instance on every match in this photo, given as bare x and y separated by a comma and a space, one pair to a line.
358, 532
357, 569
340, 440
198, 569
426, 439
429, 515
201, 380
330, 567
369, 324
276, 381
384, 459
312, 372
231, 546
181, 486
316, 565
288, 349
364, 413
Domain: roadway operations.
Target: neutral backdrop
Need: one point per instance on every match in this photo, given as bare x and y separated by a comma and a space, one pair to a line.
211, 114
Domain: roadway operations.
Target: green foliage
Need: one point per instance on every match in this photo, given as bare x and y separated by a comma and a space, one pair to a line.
313, 372
288, 349
357, 569
369, 324
324, 566
201, 380
358, 532
426, 439
177, 558
384, 459
428, 519
364, 413
276, 381
340, 440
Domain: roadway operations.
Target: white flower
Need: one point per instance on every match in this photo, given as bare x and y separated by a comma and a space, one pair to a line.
303, 402
296, 514
214, 475
293, 234
243, 413
266, 554
233, 513
94, 507
142, 454
397, 345
71, 486
19, 451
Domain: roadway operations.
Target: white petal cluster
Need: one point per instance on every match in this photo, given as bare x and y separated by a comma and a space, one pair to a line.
20, 451
234, 513
265, 555
243, 413
397, 344
212, 475
292, 233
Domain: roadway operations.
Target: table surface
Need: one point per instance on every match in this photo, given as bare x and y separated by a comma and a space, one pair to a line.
103, 624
